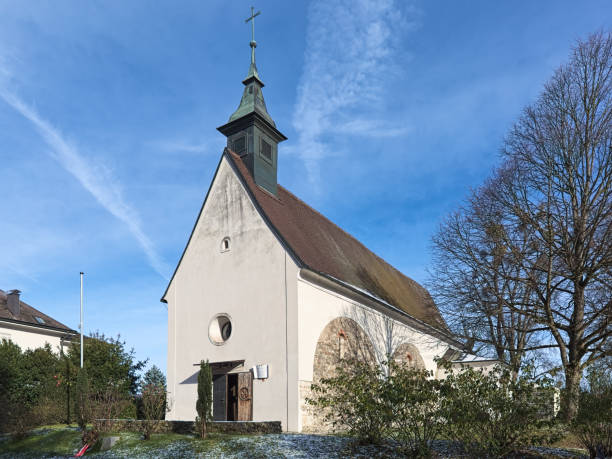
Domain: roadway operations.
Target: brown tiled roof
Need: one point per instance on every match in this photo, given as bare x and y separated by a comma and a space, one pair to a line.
27, 315
322, 246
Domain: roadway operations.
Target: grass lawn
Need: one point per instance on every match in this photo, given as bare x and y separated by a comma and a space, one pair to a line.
64, 441
57, 440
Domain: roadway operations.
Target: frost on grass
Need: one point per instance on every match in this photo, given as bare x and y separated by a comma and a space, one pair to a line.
259, 446
288, 445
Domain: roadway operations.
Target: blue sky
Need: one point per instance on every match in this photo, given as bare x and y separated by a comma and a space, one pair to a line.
108, 110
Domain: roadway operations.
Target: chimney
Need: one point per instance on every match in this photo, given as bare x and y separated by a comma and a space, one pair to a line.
12, 301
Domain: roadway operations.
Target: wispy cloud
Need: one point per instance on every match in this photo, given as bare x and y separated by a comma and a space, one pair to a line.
96, 179
371, 128
176, 147
350, 47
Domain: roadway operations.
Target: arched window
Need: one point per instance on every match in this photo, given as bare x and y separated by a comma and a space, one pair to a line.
342, 343
225, 244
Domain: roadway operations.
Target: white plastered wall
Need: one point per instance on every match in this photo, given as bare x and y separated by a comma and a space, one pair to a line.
318, 306
27, 337
486, 366
254, 283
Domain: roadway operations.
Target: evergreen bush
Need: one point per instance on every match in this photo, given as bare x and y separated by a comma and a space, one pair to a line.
414, 401
490, 414
29, 391
204, 402
153, 377
493, 414
37, 386
353, 400
82, 400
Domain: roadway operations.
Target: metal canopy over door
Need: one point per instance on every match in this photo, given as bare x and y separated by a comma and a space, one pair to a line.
245, 396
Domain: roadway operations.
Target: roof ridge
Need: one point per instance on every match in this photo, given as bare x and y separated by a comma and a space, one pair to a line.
35, 312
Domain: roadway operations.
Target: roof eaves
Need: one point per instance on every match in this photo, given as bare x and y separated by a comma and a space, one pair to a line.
423, 326
46, 327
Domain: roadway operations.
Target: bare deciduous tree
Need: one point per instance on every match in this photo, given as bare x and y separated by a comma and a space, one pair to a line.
554, 198
478, 282
562, 148
381, 332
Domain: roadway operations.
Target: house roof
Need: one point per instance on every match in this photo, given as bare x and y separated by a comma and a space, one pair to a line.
28, 314
318, 244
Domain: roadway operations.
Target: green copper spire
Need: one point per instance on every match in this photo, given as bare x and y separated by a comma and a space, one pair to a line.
251, 132
252, 97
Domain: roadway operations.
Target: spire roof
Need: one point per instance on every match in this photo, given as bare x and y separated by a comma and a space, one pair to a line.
252, 97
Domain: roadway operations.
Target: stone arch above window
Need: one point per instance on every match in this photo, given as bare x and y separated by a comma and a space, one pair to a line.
342, 338
408, 354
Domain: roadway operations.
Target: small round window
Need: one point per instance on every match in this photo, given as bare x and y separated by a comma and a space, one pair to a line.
220, 329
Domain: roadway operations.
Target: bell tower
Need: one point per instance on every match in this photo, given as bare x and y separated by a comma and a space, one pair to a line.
251, 131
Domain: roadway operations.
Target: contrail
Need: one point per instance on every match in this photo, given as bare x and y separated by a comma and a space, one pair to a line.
97, 180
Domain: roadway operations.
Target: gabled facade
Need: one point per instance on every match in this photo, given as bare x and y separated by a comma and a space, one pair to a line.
273, 294
234, 270
28, 327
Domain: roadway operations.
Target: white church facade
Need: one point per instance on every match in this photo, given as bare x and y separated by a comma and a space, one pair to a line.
272, 293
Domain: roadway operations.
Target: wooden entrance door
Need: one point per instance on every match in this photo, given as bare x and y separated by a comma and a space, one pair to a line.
245, 396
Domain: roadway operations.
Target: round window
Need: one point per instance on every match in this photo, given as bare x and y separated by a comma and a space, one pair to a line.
220, 329
226, 331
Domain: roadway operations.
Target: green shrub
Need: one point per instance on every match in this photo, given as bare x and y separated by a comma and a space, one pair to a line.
108, 362
152, 378
491, 414
37, 386
593, 422
414, 402
29, 390
363, 401
17, 418
353, 400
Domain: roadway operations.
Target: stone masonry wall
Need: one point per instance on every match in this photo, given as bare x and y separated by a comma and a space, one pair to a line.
342, 338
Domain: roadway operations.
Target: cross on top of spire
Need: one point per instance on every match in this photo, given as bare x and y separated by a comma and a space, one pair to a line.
250, 130
253, 43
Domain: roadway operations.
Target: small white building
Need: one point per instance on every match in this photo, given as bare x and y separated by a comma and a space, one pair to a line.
272, 293
28, 327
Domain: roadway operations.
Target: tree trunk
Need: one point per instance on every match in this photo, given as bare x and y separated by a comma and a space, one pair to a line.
571, 394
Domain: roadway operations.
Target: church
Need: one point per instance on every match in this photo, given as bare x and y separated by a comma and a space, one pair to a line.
273, 294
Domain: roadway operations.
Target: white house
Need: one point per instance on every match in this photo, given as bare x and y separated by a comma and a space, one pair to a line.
28, 327
265, 280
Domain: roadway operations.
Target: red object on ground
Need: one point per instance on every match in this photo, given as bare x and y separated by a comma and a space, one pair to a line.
81, 451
